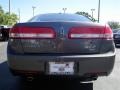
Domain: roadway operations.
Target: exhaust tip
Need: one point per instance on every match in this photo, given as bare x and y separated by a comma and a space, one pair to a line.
30, 79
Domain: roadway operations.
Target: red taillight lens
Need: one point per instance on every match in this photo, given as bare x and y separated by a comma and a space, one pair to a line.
90, 33
32, 32
108, 34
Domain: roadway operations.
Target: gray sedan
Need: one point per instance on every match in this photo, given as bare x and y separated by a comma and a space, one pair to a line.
56, 45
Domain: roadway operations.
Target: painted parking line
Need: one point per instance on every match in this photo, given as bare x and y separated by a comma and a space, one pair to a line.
2, 43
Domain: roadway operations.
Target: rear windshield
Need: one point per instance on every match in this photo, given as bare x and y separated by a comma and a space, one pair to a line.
59, 17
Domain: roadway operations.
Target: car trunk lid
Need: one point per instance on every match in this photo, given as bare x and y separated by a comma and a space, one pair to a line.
60, 37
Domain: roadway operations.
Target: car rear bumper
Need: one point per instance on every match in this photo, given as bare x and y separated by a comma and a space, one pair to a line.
96, 64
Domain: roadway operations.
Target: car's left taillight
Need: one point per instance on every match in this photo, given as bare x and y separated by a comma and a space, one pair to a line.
32, 32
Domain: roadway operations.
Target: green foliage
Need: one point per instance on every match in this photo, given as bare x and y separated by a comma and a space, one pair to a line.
1, 14
114, 25
87, 15
6, 19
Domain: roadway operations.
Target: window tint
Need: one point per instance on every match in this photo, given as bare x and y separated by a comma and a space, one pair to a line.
59, 17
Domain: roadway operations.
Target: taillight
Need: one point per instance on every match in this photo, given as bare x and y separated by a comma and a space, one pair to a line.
108, 34
32, 32
90, 33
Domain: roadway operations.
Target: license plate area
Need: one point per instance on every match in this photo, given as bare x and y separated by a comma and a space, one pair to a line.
61, 68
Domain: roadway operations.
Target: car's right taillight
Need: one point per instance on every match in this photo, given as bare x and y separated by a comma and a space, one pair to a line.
32, 33
90, 33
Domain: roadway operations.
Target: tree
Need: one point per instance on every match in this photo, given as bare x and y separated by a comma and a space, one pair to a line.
1, 14
87, 15
114, 25
10, 19
6, 19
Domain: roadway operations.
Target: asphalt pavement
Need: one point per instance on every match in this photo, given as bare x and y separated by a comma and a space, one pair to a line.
9, 82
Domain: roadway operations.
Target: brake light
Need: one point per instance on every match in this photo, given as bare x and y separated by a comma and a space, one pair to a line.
90, 33
108, 34
32, 32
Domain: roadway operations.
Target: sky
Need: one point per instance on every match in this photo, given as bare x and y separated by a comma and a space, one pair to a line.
109, 11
